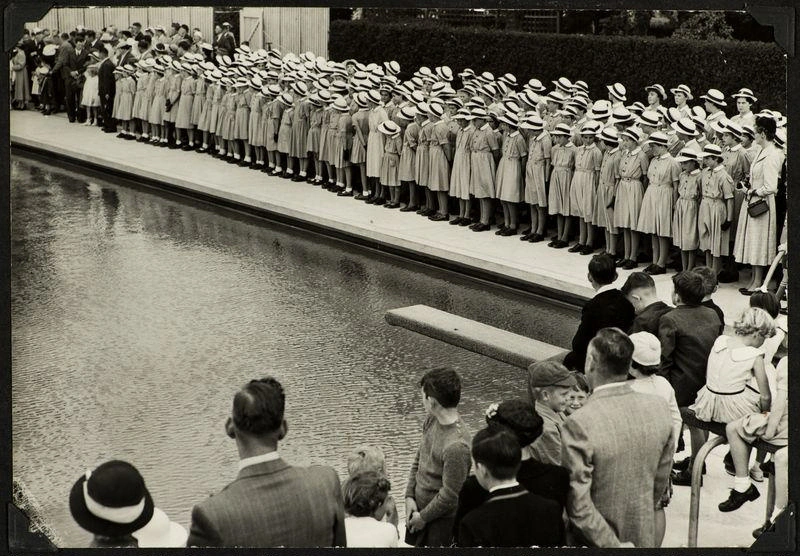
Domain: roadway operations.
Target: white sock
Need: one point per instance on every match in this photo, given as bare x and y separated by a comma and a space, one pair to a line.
302, 174
741, 484
247, 159
348, 190
319, 177
775, 513
205, 145
289, 172
278, 169
339, 184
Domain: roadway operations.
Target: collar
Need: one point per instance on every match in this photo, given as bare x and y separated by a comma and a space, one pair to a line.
718, 168
510, 484
423, 124
541, 134
715, 115
603, 289
485, 126
612, 151
548, 414
514, 134
694, 172
736, 147
609, 385
701, 139
255, 460
570, 143
664, 156
637, 150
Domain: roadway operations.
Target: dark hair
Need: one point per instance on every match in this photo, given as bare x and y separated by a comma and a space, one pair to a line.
143, 44
258, 406
709, 278
498, 449
101, 51
443, 385
365, 492
127, 34
767, 301
176, 26
613, 350
636, 281
690, 287
147, 39
645, 369
184, 44
65, 36
580, 382
766, 125
136, 24
519, 417
90, 33
603, 269
184, 26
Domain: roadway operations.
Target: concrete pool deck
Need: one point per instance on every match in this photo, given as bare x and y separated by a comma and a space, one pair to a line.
552, 273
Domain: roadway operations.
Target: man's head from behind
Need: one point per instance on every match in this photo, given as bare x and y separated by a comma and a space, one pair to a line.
497, 455
257, 415
710, 281
640, 289
608, 358
689, 288
602, 271
441, 389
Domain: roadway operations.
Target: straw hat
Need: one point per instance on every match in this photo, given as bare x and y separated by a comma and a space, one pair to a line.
687, 155
618, 91
685, 126
745, 93
715, 96
390, 128
683, 89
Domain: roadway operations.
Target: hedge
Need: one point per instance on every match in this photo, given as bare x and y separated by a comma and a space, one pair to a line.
634, 61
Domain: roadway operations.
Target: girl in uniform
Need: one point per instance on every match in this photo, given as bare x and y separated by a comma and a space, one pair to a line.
459, 176
558, 199
255, 136
200, 86
312, 142
439, 157
285, 132
422, 160
300, 126
274, 118
744, 103
633, 167
511, 173
375, 149
242, 122
207, 122
682, 94
583, 188
228, 120
143, 76
173, 101
358, 156
323, 138
407, 173
716, 208
390, 164
331, 147
344, 147
155, 113
183, 119
737, 164
607, 188
484, 153
655, 218
126, 87
537, 174
684, 220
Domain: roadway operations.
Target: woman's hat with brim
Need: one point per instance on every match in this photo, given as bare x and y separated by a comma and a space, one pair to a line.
715, 96
435, 109
286, 98
461, 114
392, 67
631, 133
532, 122
745, 93
617, 90
49, 50
649, 118
636, 108
388, 127
445, 73
658, 89
561, 129
658, 139
719, 125
299, 88
324, 95
688, 155
673, 115
710, 149
536, 86
509, 118
749, 131
581, 87
780, 137
621, 115
683, 89
374, 96
486, 77
361, 100
455, 101
468, 73
407, 112
256, 83
590, 128
340, 104
556, 96
563, 84
609, 134
519, 417
160, 532
734, 129
112, 500
686, 126
478, 112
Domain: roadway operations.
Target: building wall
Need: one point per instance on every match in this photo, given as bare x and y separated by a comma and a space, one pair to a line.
288, 29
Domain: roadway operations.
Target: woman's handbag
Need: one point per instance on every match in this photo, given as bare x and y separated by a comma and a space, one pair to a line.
757, 208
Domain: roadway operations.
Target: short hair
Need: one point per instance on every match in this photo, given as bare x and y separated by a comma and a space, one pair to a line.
766, 125
613, 350
581, 383
767, 301
365, 492
176, 26
443, 385
90, 33
136, 24
127, 34
186, 45
709, 277
100, 51
690, 287
65, 36
366, 458
638, 280
143, 44
752, 320
80, 37
498, 449
184, 26
258, 406
603, 269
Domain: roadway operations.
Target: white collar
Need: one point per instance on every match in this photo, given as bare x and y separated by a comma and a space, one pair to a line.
504, 485
255, 460
570, 143
606, 288
541, 134
615, 149
736, 147
514, 134
715, 115
637, 150
423, 124
485, 126
718, 168
609, 385
664, 156
694, 172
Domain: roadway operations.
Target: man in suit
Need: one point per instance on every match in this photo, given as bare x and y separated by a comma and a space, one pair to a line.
73, 83
125, 55
226, 43
107, 88
618, 448
92, 41
270, 503
608, 308
511, 516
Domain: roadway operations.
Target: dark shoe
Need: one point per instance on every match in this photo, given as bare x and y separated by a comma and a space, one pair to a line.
480, 227
747, 292
685, 465
410, 208
426, 212
455, 221
684, 478
500, 229
526, 237
737, 499
371, 201
380, 201
187, 147
525, 231
554, 238
536, 238
630, 265
120, 136
656, 270
561, 244
438, 217
768, 526
508, 232
298, 178
577, 248
588, 250
768, 467
345, 194
620, 263
465, 222
391, 205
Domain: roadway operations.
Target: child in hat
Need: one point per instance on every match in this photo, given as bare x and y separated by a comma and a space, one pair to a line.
155, 113
174, 80
603, 216
312, 139
484, 153
300, 125
407, 172
274, 118
358, 154
583, 187
332, 148
549, 386
633, 167
90, 98
537, 174
204, 123
285, 133
440, 156
126, 87
198, 102
511, 173
645, 362
227, 116
218, 107
242, 122
344, 147
322, 154
655, 219
422, 159
558, 198
681, 95
147, 102
375, 149
183, 119
684, 220
142, 77
392, 147
255, 137
716, 208
459, 176
744, 107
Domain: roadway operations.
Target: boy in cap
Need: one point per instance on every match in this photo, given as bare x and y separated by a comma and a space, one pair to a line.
549, 387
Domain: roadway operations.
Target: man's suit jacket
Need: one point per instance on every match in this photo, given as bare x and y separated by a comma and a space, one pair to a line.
513, 517
228, 42
65, 53
107, 85
273, 504
606, 309
126, 58
618, 448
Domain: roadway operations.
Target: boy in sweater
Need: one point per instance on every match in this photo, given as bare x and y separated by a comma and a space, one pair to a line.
441, 465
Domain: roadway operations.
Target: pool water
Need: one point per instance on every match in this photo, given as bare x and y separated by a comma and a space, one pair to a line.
137, 315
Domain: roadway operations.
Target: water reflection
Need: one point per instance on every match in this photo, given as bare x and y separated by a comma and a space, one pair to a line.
137, 315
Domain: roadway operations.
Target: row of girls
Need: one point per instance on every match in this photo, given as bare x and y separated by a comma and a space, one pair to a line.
683, 176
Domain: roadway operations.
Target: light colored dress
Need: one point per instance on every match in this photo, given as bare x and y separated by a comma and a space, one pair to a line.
727, 396
314, 125
422, 160
368, 532
756, 238
155, 115
91, 91
558, 198
511, 169
19, 68
125, 90
375, 139
717, 188
754, 426
254, 135
138, 94
344, 141
632, 167
323, 134
737, 164
285, 131
408, 158
199, 100
242, 117
684, 220
588, 160
208, 103
361, 132
539, 155
483, 171
300, 126
657, 202
332, 141
183, 119
459, 176
391, 161
274, 124
173, 94
603, 214
438, 166
147, 101
227, 126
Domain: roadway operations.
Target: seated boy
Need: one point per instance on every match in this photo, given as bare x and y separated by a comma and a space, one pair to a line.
371, 458
511, 516
549, 386
640, 289
711, 285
